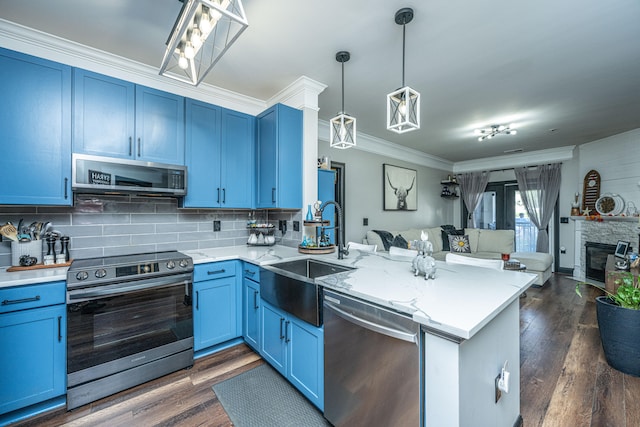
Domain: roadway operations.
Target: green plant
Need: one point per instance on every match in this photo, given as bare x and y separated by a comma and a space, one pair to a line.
627, 294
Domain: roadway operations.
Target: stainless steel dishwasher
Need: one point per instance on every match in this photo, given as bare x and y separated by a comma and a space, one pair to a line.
373, 365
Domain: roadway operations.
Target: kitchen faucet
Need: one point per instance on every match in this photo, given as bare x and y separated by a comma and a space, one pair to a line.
341, 249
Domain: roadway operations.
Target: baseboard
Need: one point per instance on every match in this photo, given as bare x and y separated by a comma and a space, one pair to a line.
565, 270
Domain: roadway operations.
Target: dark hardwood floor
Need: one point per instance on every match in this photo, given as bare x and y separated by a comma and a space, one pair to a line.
565, 380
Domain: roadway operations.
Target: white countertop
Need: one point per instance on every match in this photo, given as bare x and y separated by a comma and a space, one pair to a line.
459, 301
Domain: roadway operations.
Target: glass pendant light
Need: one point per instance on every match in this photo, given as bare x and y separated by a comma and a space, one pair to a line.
343, 126
403, 105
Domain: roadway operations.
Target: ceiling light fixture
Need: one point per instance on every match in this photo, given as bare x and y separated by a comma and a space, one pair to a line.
488, 133
403, 105
202, 33
343, 126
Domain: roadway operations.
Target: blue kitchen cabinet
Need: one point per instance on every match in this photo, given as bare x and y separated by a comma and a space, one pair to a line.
216, 297
279, 158
295, 349
33, 336
35, 130
219, 157
326, 191
116, 118
251, 306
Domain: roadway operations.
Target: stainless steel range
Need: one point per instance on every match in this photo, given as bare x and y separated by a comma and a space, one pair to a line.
129, 320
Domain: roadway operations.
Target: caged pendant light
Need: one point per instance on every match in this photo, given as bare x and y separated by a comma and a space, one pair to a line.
403, 105
202, 33
343, 126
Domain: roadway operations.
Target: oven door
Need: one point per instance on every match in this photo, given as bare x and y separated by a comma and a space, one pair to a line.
112, 328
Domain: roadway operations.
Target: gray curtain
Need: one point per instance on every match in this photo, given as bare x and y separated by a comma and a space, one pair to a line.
539, 188
472, 186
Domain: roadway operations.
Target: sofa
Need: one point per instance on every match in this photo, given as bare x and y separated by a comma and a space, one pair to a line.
481, 243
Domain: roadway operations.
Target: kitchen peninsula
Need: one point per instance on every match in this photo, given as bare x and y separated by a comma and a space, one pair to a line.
469, 317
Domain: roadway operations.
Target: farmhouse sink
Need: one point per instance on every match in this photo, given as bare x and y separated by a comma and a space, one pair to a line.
291, 286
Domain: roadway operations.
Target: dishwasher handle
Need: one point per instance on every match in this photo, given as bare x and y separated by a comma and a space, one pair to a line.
395, 333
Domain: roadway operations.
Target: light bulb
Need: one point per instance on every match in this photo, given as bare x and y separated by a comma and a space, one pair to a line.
477, 132
513, 132
189, 51
196, 38
343, 132
182, 62
205, 24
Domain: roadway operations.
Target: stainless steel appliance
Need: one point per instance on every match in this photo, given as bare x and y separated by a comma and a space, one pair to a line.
373, 365
129, 320
106, 175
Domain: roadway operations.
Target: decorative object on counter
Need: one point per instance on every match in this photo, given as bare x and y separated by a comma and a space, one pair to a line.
575, 205
317, 216
631, 209
309, 213
400, 191
261, 235
423, 264
403, 105
590, 191
324, 162
201, 34
32, 249
618, 315
342, 126
28, 261
609, 204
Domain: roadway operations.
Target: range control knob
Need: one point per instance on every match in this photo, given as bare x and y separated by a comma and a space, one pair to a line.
171, 265
184, 263
146, 268
82, 275
101, 273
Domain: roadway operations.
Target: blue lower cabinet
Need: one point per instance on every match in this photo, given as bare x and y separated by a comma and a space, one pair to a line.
251, 306
216, 310
295, 349
33, 357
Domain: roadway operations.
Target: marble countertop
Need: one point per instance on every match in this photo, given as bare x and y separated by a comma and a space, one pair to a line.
459, 301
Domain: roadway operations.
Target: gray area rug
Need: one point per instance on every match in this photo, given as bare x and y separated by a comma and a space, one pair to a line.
262, 398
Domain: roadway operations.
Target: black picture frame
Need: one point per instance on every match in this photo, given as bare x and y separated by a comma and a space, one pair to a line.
400, 188
621, 249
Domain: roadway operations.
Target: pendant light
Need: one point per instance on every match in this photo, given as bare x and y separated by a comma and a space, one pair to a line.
403, 105
343, 126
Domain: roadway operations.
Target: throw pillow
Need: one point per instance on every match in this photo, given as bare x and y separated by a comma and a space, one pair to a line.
400, 242
459, 244
386, 237
448, 230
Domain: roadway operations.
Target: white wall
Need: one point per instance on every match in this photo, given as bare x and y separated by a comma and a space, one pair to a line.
363, 194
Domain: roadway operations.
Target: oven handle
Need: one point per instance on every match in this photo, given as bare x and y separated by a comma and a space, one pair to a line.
104, 291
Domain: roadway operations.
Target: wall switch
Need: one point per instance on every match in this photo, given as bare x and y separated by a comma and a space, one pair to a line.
281, 224
365, 221
296, 225
216, 225
564, 220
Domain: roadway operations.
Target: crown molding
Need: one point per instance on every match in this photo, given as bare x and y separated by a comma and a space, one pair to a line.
510, 161
382, 147
37, 43
302, 93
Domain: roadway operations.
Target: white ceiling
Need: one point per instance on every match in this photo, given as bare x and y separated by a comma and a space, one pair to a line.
564, 72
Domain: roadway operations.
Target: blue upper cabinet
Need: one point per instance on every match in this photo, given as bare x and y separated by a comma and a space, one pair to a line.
116, 118
219, 157
35, 130
279, 158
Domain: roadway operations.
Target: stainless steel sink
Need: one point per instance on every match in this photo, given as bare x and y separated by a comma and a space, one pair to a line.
291, 286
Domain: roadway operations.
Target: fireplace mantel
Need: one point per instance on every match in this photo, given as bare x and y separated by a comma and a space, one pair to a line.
601, 218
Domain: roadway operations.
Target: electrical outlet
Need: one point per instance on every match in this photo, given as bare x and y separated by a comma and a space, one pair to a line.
281, 224
296, 225
216, 225
498, 392
365, 221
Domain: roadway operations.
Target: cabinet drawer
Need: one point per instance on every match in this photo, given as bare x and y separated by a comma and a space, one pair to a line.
214, 270
251, 271
32, 296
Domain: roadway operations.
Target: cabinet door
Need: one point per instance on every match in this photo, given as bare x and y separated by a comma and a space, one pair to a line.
159, 126
306, 360
202, 155
251, 313
33, 359
214, 319
237, 166
273, 347
103, 115
266, 161
35, 130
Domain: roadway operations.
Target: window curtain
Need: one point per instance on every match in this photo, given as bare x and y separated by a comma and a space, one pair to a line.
472, 186
539, 188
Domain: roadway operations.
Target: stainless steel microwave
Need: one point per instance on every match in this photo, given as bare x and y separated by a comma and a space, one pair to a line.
108, 175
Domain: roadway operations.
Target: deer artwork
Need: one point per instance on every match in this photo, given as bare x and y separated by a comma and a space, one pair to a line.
401, 193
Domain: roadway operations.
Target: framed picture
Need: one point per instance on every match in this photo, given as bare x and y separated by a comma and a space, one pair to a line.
400, 188
621, 249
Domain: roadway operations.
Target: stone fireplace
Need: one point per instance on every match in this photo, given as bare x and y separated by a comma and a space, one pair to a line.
606, 232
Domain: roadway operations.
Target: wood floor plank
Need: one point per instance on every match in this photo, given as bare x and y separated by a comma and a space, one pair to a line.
631, 400
608, 399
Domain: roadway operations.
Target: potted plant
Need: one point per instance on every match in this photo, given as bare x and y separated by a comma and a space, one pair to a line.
619, 323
